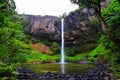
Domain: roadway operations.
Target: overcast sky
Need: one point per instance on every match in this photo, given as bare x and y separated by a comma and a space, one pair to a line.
45, 7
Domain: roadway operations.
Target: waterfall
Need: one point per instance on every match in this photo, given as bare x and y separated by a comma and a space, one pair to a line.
62, 43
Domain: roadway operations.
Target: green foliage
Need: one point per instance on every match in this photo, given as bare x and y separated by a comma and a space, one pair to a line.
112, 17
14, 50
36, 56
71, 51
88, 47
116, 70
77, 57
55, 47
11, 37
112, 40
99, 50
6, 10
95, 4
10, 48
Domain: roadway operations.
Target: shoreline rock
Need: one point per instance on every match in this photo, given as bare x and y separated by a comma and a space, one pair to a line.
99, 73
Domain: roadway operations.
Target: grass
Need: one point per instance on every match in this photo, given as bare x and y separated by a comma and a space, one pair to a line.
76, 57
33, 55
100, 49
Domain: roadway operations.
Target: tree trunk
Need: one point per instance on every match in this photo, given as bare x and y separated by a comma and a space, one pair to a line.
102, 22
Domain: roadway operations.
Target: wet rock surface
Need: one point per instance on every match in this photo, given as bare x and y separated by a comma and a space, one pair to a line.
99, 73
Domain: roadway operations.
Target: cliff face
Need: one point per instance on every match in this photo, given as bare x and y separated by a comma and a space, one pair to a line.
43, 27
78, 28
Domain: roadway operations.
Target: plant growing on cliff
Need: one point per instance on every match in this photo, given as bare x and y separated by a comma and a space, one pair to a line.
71, 51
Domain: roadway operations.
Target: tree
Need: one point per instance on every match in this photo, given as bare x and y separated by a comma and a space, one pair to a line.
112, 18
7, 8
94, 4
11, 36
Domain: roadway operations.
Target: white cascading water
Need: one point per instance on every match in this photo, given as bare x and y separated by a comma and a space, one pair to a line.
62, 43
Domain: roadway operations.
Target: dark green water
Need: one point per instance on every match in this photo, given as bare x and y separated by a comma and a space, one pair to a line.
61, 68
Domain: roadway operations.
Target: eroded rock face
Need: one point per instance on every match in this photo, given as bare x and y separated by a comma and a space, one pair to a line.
77, 28
44, 27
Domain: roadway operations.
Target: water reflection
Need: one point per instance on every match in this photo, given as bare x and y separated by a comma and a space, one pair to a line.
63, 68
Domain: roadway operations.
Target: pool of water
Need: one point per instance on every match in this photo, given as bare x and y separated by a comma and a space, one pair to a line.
61, 68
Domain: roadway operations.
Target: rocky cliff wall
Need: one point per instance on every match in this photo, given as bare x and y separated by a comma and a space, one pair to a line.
78, 27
